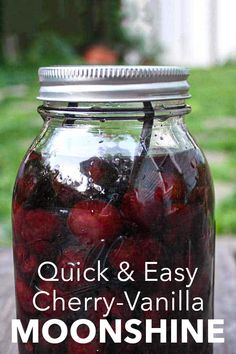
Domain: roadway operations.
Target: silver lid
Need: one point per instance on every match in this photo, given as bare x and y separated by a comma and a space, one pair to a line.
84, 83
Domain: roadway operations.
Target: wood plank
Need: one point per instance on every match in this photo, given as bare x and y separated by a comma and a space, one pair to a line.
225, 296
7, 301
225, 292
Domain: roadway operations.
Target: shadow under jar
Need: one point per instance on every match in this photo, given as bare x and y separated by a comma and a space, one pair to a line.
113, 177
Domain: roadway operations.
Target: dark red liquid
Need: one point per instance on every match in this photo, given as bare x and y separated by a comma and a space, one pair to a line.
156, 208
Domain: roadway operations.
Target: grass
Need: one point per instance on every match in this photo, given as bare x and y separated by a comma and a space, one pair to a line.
212, 122
225, 216
19, 125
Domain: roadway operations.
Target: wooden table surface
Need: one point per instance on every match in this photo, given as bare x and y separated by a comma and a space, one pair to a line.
225, 296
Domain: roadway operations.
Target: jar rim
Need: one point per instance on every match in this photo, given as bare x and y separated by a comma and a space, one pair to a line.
113, 83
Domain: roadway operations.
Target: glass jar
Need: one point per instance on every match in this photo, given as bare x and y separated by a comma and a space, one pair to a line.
113, 204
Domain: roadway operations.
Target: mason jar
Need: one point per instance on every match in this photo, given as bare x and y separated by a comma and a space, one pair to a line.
113, 216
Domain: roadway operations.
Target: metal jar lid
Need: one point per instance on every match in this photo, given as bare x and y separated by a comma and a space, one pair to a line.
84, 83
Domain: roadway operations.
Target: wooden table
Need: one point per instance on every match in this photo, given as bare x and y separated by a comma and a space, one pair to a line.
225, 296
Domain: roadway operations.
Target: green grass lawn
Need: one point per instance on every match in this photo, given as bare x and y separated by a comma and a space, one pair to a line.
212, 122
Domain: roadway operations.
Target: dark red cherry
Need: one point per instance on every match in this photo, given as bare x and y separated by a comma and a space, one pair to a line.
17, 218
39, 224
172, 190
141, 207
136, 252
40, 247
15, 206
28, 177
101, 171
25, 187
26, 261
28, 347
178, 224
94, 220
65, 194
45, 299
24, 294
33, 155
71, 260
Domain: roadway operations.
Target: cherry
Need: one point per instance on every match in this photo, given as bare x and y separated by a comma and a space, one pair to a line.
45, 300
141, 207
33, 155
28, 177
17, 218
171, 192
40, 247
25, 187
39, 224
28, 347
136, 252
65, 194
33, 188
25, 296
15, 206
26, 261
94, 220
71, 259
174, 188
178, 225
101, 171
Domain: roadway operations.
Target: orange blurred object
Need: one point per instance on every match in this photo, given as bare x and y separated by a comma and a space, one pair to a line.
100, 54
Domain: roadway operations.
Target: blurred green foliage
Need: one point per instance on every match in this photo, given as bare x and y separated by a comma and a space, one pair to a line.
43, 31
225, 215
212, 122
48, 46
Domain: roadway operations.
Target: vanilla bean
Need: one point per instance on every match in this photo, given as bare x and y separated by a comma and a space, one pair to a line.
145, 139
68, 119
